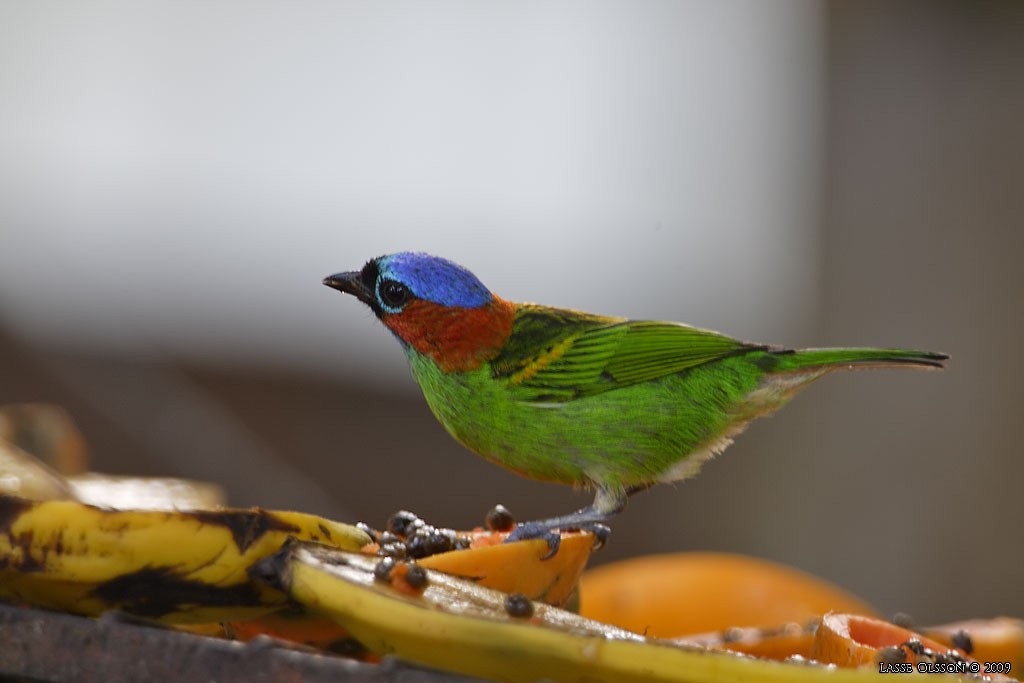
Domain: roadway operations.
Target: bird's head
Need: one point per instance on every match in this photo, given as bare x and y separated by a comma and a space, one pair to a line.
435, 307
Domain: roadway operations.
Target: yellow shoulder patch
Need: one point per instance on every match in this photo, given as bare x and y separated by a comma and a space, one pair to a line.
543, 360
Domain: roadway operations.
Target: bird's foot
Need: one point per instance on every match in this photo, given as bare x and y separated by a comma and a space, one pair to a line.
525, 531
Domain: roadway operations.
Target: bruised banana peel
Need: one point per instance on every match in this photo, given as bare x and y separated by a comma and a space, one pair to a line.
176, 566
458, 626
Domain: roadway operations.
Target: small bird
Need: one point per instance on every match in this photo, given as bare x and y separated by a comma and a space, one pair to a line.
608, 404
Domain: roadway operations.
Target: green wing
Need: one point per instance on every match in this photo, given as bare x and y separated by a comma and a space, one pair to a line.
557, 355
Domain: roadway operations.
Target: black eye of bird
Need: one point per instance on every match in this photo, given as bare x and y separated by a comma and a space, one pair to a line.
393, 294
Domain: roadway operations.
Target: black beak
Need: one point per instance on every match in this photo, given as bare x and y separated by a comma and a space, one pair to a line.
350, 283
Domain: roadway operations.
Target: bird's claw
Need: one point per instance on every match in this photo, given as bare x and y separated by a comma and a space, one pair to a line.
534, 530
601, 533
526, 531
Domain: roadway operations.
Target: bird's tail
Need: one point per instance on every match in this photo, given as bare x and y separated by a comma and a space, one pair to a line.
805, 359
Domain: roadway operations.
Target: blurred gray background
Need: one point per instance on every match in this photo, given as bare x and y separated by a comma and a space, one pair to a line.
176, 178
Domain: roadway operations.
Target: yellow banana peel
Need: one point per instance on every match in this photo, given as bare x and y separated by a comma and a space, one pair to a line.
176, 566
458, 626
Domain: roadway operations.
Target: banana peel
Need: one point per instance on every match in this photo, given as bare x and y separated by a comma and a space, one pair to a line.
507, 567
23, 475
145, 493
43, 457
178, 567
458, 626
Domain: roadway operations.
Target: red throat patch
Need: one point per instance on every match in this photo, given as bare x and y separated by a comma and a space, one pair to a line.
457, 339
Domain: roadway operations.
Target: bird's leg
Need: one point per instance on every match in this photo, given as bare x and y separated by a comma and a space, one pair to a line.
607, 503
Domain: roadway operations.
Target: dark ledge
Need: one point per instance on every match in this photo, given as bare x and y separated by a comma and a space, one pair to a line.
38, 646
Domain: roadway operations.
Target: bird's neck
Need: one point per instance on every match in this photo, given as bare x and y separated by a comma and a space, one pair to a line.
457, 339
